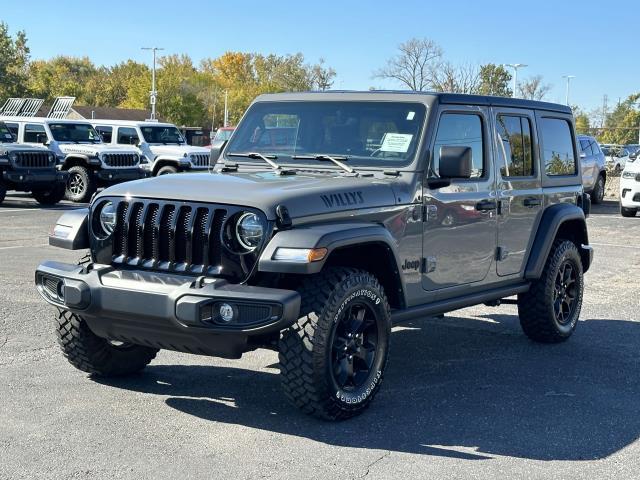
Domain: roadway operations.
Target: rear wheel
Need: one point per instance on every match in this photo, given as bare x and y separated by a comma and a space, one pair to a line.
333, 358
167, 170
98, 356
628, 212
49, 197
598, 191
549, 311
80, 184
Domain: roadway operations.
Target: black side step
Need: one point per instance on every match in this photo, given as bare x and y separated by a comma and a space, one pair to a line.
444, 306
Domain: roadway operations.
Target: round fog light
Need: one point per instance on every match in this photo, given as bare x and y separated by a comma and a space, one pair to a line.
226, 312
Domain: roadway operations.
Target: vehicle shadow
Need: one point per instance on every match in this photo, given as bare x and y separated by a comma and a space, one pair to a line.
607, 207
454, 387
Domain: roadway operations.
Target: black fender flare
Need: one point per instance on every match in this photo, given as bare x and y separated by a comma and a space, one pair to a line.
552, 220
71, 230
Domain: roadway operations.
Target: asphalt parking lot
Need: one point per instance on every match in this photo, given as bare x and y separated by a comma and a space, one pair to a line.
466, 396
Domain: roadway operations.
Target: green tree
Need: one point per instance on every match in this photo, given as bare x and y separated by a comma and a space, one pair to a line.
14, 59
124, 85
62, 76
178, 91
494, 80
623, 123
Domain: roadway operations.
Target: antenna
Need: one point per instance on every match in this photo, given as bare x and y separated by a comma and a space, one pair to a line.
61, 107
23, 107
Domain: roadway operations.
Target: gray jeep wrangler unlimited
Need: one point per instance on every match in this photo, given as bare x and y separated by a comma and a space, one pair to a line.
27, 168
328, 218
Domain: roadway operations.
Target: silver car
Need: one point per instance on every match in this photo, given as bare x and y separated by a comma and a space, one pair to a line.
594, 173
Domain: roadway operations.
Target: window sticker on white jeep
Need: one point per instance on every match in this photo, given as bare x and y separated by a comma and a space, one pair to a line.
396, 142
8, 135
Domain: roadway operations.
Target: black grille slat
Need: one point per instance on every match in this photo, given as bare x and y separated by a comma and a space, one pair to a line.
32, 160
182, 235
122, 229
165, 232
135, 238
120, 160
215, 239
150, 232
199, 247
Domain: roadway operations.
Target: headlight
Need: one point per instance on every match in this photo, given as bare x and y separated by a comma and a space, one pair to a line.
107, 217
249, 231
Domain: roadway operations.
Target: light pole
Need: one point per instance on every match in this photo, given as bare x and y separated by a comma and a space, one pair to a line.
226, 109
153, 94
568, 77
515, 67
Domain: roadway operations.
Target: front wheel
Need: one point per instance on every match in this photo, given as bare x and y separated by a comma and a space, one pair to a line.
598, 191
96, 355
80, 185
628, 212
51, 196
167, 170
549, 311
333, 358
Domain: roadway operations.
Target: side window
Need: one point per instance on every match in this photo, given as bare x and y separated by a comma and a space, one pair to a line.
34, 133
558, 154
585, 145
127, 136
13, 128
595, 148
514, 146
460, 129
105, 132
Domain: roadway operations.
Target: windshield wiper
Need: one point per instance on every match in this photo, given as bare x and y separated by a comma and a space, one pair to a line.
337, 160
254, 155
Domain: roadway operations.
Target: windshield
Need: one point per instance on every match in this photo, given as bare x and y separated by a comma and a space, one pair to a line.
5, 134
366, 133
74, 132
162, 134
223, 134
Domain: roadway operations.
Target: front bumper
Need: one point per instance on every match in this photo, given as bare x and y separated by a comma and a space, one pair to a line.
167, 311
32, 179
630, 192
117, 175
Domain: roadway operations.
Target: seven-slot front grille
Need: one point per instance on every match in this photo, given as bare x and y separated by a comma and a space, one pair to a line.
120, 159
32, 160
169, 236
200, 159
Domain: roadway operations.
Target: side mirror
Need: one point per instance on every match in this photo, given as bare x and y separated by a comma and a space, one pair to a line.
455, 162
216, 151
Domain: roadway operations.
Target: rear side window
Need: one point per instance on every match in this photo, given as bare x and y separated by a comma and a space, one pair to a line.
514, 146
460, 130
105, 132
34, 133
557, 151
13, 128
586, 147
127, 136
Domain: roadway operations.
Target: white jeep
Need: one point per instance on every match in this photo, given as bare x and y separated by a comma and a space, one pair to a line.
80, 151
162, 146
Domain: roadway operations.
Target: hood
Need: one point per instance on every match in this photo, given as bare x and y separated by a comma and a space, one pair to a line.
18, 147
177, 150
302, 194
633, 167
94, 148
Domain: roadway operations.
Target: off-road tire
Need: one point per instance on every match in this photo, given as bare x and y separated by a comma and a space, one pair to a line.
167, 170
84, 194
536, 307
50, 197
95, 355
3, 191
597, 196
305, 349
628, 212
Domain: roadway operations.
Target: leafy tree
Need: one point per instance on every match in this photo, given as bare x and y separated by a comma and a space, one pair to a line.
321, 76
124, 85
534, 88
62, 76
623, 123
494, 80
14, 59
414, 64
177, 91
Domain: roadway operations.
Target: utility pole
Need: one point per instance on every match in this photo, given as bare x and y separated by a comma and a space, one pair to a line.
226, 109
515, 67
605, 99
568, 77
153, 94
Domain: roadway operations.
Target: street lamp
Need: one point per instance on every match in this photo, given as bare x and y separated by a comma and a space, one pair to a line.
153, 94
568, 77
515, 67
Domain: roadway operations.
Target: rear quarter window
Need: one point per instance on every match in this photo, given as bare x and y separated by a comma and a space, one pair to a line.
557, 147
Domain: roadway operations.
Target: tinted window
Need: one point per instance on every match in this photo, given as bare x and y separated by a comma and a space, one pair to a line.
162, 134
514, 146
34, 133
73, 132
558, 148
5, 134
459, 129
105, 132
127, 136
585, 145
13, 128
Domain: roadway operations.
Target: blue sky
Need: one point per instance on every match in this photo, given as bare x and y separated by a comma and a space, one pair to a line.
598, 42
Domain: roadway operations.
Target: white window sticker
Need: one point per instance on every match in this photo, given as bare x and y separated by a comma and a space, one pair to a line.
411, 115
8, 135
396, 142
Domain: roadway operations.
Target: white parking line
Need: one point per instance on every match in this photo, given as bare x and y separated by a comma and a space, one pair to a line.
24, 246
615, 245
29, 210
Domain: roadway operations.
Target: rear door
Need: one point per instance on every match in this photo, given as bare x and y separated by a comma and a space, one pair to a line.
519, 186
588, 162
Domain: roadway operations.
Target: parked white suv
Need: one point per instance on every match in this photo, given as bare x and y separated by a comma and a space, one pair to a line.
162, 146
80, 151
630, 188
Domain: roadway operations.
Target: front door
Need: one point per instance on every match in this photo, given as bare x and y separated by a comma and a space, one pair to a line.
519, 188
460, 220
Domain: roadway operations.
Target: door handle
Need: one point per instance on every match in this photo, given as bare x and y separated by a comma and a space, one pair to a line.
486, 205
531, 202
